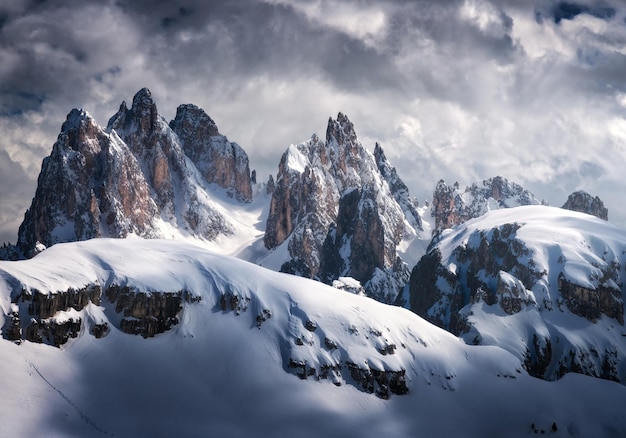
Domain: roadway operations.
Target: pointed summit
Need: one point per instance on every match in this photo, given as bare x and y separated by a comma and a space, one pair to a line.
143, 115
79, 125
192, 120
337, 217
221, 162
90, 186
341, 130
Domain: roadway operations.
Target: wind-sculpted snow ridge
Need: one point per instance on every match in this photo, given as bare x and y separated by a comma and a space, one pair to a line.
543, 283
165, 338
341, 211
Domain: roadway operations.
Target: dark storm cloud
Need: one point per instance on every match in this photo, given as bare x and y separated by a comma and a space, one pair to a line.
245, 38
568, 11
557, 11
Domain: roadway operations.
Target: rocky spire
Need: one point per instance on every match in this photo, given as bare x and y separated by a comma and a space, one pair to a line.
583, 202
220, 161
89, 186
341, 130
333, 209
140, 120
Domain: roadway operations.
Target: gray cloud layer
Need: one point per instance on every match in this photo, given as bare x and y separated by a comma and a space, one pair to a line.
456, 89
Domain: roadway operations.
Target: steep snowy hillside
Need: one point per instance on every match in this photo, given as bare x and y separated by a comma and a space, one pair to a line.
163, 338
544, 283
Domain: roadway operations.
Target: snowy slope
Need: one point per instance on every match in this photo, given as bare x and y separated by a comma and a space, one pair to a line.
543, 283
232, 369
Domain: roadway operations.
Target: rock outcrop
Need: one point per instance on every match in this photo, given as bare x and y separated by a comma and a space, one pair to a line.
525, 284
132, 177
451, 206
583, 202
339, 215
219, 161
53, 318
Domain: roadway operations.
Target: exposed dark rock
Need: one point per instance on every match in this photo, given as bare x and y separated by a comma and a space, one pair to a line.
48, 317
91, 185
592, 303
381, 382
100, 330
53, 332
220, 161
583, 202
43, 306
146, 313
12, 330
485, 268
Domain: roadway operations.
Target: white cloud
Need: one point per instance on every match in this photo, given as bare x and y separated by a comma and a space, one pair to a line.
456, 90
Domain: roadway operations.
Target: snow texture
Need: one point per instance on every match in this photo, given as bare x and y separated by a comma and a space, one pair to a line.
235, 370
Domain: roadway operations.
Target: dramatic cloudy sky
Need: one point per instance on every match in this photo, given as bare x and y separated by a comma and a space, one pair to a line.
456, 89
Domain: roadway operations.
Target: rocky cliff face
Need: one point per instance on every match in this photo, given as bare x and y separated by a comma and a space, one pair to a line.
451, 206
585, 203
337, 213
523, 279
219, 161
53, 318
91, 185
133, 177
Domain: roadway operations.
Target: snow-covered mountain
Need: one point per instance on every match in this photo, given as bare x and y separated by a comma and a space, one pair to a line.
138, 176
205, 343
239, 350
339, 211
451, 206
544, 283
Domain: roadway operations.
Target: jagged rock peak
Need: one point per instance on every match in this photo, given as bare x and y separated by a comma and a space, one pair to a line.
583, 202
451, 206
338, 214
341, 130
89, 186
190, 118
220, 161
143, 114
132, 177
75, 118
78, 126
143, 101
